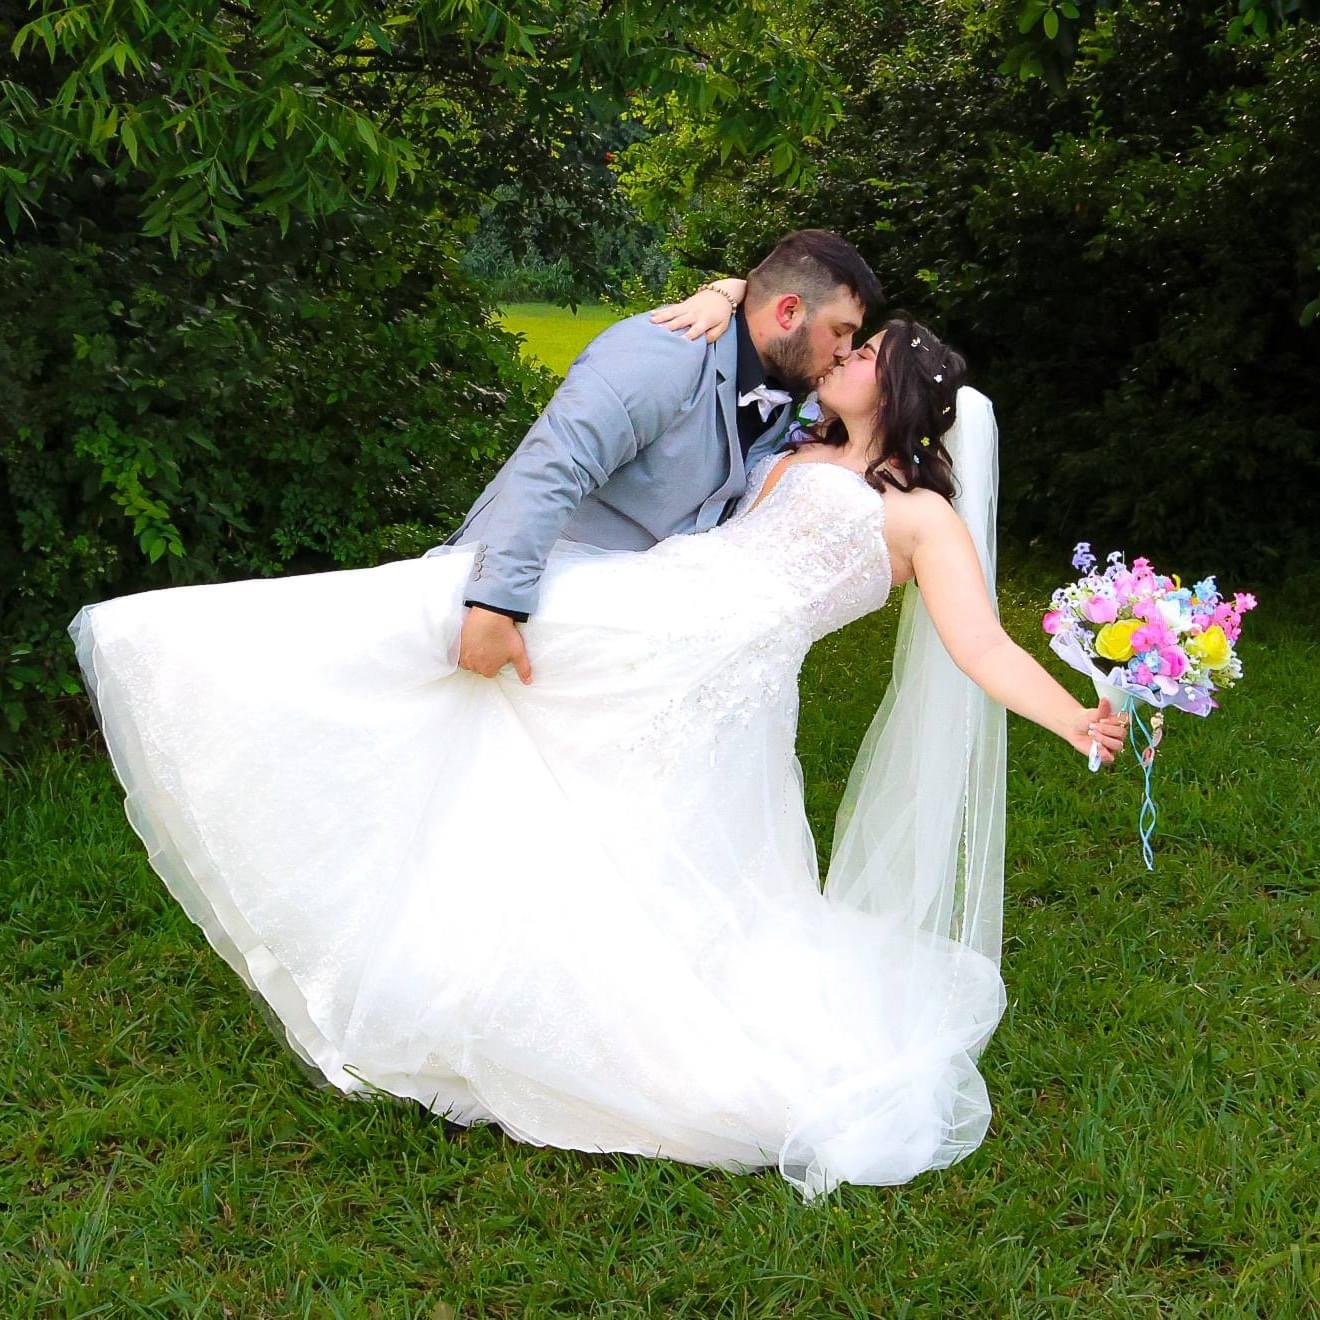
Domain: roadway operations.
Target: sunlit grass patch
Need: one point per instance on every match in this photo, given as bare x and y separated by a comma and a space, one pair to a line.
556, 335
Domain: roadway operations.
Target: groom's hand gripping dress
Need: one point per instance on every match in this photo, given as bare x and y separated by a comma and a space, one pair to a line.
489, 641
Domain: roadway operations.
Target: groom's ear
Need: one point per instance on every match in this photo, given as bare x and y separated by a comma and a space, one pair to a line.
790, 311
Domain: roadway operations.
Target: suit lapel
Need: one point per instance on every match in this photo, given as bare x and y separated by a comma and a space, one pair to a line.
726, 391
771, 439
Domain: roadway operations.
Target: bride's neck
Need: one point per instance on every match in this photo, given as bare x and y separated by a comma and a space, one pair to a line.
860, 448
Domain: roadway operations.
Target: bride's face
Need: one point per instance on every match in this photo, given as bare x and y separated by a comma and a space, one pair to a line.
852, 389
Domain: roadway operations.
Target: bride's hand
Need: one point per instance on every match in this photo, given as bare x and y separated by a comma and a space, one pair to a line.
1100, 725
705, 312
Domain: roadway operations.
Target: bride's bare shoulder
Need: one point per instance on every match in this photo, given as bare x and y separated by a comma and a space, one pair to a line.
917, 511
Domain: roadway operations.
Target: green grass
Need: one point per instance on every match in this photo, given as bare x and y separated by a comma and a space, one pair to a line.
555, 335
1154, 1150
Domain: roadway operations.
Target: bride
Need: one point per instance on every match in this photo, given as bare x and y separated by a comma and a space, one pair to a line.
587, 908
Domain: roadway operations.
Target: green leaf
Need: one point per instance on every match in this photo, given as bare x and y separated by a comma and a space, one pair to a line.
1051, 24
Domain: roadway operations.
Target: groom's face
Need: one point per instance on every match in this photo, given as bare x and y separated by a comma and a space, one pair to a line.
818, 339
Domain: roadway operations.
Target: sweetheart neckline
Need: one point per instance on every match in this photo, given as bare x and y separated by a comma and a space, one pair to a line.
759, 502
808, 462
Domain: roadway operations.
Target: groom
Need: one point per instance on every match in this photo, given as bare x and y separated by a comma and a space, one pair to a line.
652, 434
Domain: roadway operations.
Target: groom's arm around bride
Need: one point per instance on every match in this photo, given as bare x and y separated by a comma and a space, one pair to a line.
642, 439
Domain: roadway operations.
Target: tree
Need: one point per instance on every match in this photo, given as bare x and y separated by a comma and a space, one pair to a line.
234, 332
205, 115
1131, 265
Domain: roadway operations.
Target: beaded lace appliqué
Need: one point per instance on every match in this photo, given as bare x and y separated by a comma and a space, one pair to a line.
803, 563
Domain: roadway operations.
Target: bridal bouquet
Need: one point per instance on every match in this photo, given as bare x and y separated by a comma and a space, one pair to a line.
1141, 636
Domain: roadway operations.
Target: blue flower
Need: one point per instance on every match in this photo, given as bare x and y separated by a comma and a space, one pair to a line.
1206, 591
1083, 560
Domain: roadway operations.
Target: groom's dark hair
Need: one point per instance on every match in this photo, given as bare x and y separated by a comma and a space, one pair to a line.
813, 263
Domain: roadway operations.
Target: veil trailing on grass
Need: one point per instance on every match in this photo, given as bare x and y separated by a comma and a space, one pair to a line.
920, 832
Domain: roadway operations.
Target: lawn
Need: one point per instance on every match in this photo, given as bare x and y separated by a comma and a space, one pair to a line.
556, 335
1155, 1148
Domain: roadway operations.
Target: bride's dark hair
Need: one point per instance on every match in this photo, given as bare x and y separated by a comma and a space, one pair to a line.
918, 377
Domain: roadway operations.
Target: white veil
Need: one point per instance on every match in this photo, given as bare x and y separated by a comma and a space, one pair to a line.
920, 832
919, 842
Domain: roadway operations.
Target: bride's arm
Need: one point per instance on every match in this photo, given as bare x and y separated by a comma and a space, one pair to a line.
706, 312
953, 588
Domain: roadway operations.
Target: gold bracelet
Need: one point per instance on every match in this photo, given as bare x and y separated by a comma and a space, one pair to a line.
728, 297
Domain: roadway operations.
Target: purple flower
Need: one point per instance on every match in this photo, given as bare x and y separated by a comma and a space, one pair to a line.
1083, 560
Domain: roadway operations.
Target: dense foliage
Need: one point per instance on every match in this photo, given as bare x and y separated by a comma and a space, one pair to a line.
279, 406
580, 243
214, 114
1131, 260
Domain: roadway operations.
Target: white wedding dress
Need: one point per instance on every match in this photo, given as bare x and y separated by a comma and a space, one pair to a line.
586, 909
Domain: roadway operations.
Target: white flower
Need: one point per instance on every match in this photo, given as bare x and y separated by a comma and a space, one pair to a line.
1175, 614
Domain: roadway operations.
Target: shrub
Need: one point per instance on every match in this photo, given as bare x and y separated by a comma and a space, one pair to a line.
316, 401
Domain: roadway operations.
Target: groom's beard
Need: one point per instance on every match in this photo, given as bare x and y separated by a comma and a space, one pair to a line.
789, 359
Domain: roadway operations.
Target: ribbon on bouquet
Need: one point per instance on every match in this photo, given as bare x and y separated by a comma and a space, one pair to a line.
1152, 735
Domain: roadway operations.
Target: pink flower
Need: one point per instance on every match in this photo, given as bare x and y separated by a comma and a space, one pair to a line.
1101, 609
1244, 601
1052, 622
1153, 636
1142, 674
1140, 563
1145, 609
1173, 661
1233, 627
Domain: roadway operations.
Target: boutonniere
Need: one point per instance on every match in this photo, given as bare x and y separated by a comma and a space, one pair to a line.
807, 413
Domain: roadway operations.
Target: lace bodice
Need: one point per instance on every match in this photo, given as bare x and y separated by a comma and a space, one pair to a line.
814, 547
712, 627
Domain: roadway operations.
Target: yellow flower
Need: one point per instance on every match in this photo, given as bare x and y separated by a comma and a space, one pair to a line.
1211, 648
1114, 640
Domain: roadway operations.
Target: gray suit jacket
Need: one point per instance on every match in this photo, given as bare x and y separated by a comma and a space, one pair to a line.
638, 443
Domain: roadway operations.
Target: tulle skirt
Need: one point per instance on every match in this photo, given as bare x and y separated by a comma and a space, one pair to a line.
586, 909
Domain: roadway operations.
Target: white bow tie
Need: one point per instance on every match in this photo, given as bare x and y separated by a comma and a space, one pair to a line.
767, 400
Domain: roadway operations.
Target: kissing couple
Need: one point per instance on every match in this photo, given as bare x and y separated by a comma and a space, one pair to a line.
515, 828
